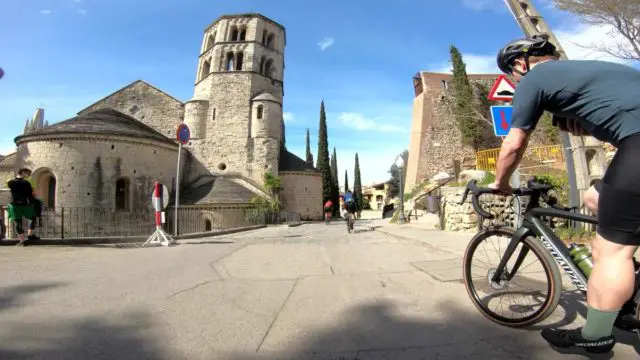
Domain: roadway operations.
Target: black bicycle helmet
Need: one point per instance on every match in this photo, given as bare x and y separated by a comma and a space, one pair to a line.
537, 45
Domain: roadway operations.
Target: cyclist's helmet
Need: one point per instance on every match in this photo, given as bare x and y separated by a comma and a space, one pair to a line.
537, 45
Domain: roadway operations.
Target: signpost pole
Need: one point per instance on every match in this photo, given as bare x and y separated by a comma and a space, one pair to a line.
175, 222
183, 134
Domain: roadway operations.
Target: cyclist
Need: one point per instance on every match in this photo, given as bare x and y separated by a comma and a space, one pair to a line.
586, 97
350, 204
328, 208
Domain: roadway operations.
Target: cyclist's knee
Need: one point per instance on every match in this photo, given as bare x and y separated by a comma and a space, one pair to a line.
590, 199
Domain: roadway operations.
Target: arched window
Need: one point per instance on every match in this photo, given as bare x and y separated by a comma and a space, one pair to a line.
239, 58
270, 41
210, 41
45, 188
243, 33
206, 69
259, 111
207, 225
268, 68
262, 63
229, 63
234, 33
122, 194
264, 37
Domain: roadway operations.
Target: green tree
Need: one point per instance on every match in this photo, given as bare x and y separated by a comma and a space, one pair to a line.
309, 155
335, 190
323, 157
346, 181
464, 107
357, 185
394, 181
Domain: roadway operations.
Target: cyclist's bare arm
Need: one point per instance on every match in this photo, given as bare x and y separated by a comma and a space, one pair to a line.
511, 153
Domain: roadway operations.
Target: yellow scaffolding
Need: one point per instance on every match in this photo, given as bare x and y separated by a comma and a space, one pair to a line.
540, 156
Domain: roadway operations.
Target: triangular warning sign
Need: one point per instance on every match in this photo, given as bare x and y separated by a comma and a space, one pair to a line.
502, 89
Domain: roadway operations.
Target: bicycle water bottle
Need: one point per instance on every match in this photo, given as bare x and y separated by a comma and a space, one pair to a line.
581, 256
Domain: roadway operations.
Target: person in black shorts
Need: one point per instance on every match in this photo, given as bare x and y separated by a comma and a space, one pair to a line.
596, 98
23, 204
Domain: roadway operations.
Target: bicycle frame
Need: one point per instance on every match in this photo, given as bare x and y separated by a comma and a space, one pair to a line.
533, 225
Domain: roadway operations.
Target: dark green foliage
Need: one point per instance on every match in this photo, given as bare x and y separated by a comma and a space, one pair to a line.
309, 155
357, 185
464, 107
335, 190
346, 181
323, 157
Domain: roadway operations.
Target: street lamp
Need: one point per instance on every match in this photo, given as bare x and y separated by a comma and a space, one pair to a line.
400, 165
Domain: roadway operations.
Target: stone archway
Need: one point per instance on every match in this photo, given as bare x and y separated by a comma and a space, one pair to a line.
45, 186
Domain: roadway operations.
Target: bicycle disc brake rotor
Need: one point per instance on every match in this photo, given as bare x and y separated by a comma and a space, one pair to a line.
496, 286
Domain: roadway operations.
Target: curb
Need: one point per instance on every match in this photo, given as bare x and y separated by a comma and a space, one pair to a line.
126, 240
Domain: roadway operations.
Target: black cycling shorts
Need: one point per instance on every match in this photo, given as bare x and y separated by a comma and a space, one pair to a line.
619, 195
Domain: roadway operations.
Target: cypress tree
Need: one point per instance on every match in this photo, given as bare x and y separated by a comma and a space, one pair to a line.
335, 190
357, 186
346, 181
464, 105
323, 157
309, 155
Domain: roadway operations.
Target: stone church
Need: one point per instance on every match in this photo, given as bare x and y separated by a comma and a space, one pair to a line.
110, 154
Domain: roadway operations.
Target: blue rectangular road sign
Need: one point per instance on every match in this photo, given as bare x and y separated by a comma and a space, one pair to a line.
501, 117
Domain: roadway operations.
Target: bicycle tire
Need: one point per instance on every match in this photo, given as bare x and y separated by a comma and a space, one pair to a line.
552, 272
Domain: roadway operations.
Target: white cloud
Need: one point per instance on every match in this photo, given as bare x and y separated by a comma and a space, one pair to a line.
360, 122
325, 43
288, 117
577, 40
82, 11
7, 147
45, 11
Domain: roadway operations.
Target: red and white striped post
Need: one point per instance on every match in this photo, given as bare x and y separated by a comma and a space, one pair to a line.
158, 236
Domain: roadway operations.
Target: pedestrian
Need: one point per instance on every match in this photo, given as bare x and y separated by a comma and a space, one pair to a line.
22, 205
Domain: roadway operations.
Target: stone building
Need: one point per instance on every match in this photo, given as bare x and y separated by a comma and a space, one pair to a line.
435, 143
110, 154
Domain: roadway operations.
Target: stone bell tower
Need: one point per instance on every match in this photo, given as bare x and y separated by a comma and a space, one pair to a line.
235, 115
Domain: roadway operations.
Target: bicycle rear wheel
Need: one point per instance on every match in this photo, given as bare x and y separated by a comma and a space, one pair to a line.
544, 301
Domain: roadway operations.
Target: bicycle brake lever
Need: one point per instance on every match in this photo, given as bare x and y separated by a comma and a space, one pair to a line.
464, 196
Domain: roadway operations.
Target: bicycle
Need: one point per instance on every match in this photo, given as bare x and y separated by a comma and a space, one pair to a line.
534, 236
350, 220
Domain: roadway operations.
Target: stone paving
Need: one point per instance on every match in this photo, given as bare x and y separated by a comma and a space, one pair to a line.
306, 292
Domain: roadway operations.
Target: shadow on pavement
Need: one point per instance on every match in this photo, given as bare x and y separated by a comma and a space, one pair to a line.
89, 338
11, 296
376, 331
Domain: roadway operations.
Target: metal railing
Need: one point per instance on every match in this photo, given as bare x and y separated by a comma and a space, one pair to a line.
540, 156
92, 222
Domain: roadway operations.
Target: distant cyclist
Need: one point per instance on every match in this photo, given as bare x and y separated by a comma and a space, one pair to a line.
350, 203
586, 97
328, 209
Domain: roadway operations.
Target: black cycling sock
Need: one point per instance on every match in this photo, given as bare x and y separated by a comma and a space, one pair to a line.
599, 323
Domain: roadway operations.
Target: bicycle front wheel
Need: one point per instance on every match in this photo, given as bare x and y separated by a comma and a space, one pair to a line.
537, 269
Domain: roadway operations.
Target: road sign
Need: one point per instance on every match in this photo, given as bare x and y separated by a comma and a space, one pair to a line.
503, 89
501, 116
163, 200
183, 134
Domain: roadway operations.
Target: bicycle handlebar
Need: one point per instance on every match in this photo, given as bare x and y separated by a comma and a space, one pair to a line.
532, 188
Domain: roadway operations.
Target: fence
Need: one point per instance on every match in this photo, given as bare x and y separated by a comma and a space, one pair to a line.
91, 222
535, 157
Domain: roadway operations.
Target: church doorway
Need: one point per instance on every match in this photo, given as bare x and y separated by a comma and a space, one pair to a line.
45, 185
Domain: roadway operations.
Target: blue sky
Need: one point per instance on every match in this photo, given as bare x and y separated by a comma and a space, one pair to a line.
357, 55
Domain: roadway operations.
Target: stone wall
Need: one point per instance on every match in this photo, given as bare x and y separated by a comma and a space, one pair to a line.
147, 104
86, 168
463, 218
302, 193
7, 169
